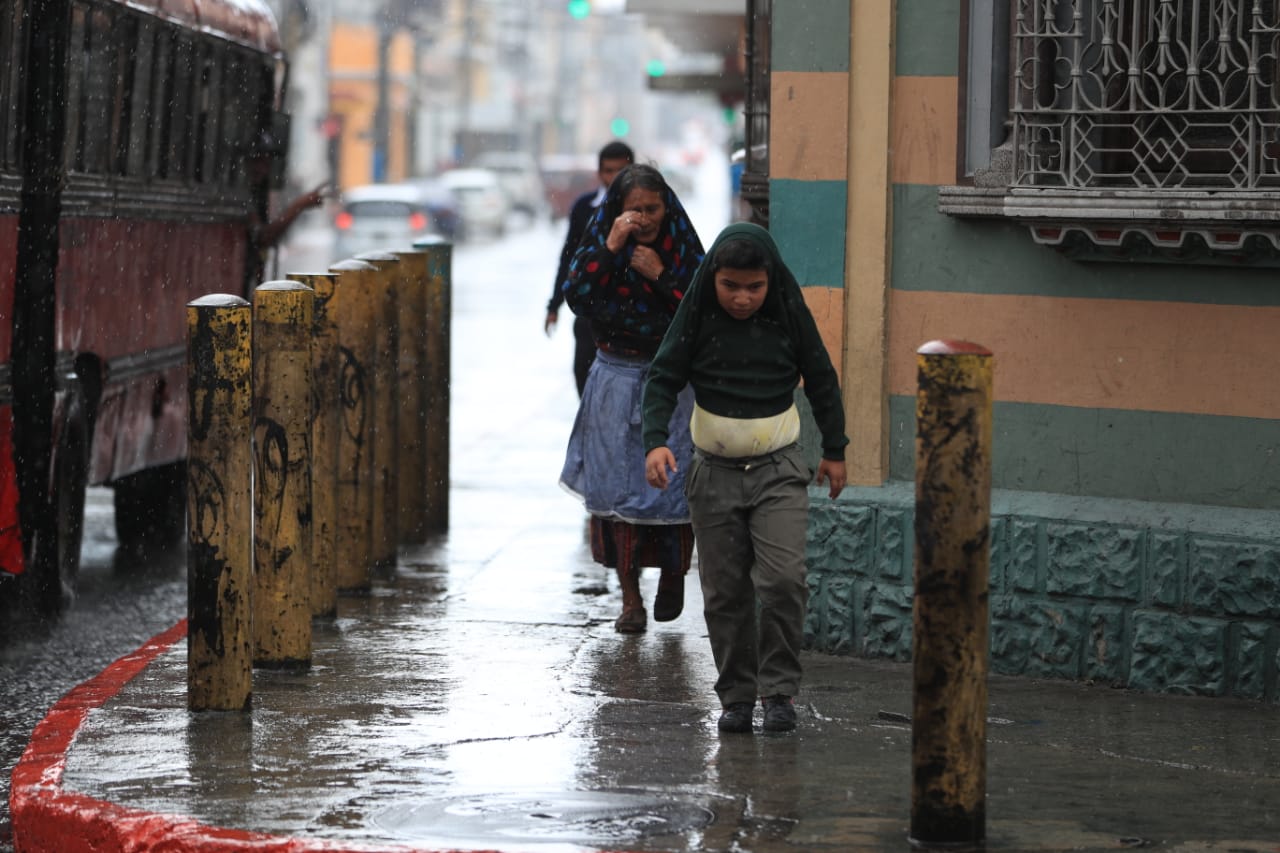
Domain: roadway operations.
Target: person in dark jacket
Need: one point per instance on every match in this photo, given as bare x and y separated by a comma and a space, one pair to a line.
613, 158
744, 338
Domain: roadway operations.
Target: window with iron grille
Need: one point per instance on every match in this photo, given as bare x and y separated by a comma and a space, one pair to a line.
1146, 94
1125, 129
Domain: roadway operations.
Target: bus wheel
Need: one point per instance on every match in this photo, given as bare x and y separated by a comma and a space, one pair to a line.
151, 508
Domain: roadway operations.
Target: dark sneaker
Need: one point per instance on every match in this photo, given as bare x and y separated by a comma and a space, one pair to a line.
779, 713
736, 718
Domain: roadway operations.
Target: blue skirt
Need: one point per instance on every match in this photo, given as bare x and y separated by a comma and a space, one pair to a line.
604, 463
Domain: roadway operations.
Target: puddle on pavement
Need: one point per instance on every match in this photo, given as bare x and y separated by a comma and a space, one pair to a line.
561, 819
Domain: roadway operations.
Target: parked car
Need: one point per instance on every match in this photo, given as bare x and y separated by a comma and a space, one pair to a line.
520, 177
481, 200
442, 206
566, 177
380, 216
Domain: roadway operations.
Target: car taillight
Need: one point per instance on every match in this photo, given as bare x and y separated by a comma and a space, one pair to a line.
418, 221
343, 221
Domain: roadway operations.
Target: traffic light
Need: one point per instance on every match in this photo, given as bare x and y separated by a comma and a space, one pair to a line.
579, 9
656, 68
619, 127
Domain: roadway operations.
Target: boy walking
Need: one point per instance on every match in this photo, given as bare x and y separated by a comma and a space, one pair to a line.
743, 337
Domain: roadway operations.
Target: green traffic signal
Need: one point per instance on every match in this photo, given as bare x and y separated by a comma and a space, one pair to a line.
619, 127
656, 68
579, 8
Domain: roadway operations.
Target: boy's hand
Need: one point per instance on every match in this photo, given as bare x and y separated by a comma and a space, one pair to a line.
656, 465
832, 472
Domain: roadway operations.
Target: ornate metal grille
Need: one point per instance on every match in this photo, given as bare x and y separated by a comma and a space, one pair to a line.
1147, 94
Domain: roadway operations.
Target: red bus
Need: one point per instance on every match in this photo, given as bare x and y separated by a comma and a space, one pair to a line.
115, 211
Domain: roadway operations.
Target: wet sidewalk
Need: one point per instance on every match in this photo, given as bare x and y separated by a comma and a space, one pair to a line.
479, 699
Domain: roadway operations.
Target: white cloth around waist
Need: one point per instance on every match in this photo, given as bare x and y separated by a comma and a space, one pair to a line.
736, 437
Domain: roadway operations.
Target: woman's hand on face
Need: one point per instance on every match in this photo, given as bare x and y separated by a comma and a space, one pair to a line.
623, 227
646, 262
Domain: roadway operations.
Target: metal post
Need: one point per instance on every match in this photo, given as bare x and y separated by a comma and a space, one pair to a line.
949, 633
325, 423
352, 308
34, 308
411, 430
282, 319
386, 488
219, 521
439, 344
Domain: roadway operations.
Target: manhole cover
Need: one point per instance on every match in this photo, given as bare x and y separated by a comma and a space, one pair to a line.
583, 817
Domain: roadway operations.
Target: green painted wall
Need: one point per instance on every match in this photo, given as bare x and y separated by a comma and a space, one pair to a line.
1115, 453
807, 219
1157, 597
810, 35
932, 251
925, 38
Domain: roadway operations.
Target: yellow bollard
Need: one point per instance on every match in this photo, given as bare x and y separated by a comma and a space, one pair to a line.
353, 311
325, 423
386, 488
439, 344
282, 320
219, 522
411, 386
949, 632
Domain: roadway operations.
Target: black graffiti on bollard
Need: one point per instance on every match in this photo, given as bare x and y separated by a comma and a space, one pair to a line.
354, 398
207, 386
206, 500
271, 470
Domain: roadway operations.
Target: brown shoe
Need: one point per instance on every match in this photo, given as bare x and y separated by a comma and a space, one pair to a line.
633, 618
669, 602
632, 621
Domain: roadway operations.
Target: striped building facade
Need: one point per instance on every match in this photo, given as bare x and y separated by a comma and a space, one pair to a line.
1136, 470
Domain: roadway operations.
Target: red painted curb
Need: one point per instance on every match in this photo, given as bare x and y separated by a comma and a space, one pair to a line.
48, 819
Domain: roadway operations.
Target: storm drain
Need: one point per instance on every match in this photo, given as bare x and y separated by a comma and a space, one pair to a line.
604, 818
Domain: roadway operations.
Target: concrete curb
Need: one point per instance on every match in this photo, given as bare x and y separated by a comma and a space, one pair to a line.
46, 817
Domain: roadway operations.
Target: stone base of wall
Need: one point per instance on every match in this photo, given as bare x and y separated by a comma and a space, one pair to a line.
1156, 597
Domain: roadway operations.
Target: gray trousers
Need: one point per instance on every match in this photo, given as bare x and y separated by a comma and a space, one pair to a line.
750, 519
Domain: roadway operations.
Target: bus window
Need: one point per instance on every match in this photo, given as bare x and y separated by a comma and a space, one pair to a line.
136, 142
233, 118
124, 38
178, 158
208, 131
10, 46
76, 63
98, 118
158, 126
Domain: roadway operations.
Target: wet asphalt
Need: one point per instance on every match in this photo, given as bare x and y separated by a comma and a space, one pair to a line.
479, 697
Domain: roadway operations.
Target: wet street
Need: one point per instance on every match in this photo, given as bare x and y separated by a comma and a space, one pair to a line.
120, 602
513, 389
479, 698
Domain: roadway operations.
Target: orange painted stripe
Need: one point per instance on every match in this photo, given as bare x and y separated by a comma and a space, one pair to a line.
809, 125
827, 306
924, 127
1101, 353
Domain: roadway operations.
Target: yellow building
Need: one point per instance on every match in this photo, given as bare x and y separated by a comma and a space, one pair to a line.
355, 53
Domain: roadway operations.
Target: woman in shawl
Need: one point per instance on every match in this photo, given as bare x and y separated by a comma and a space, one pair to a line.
744, 339
627, 277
